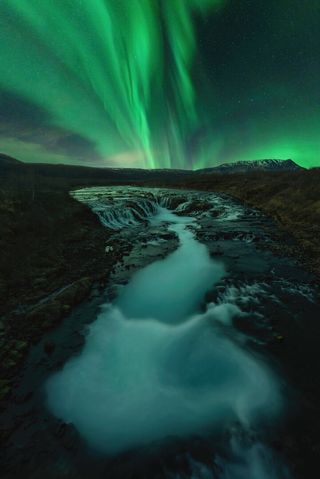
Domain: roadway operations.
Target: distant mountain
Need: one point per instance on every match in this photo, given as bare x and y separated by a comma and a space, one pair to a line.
247, 166
9, 160
90, 175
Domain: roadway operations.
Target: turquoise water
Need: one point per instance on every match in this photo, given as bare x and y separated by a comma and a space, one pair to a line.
154, 365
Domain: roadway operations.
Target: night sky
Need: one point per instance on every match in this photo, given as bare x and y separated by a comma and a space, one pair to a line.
160, 83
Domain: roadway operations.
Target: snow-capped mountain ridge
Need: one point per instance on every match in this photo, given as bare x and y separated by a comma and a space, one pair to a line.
239, 166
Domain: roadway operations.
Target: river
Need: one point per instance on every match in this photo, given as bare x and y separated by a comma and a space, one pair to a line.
177, 377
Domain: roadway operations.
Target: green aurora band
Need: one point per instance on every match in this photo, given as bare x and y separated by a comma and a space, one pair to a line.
143, 80
113, 71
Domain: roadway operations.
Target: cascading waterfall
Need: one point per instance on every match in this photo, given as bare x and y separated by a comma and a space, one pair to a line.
154, 365
118, 207
130, 215
128, 212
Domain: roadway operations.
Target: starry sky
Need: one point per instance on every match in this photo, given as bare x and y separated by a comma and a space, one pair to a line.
160, 83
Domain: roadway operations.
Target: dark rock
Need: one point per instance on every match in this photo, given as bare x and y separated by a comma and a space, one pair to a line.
5, 389
48, 313
49, 347
216, 252
68, 435
23, 398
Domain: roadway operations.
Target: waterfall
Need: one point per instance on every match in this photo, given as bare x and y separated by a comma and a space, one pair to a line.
155, 365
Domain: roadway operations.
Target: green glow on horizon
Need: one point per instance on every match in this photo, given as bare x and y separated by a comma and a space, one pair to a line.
284, 140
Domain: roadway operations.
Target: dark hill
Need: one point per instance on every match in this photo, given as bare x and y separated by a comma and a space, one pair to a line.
6, 160
72, 175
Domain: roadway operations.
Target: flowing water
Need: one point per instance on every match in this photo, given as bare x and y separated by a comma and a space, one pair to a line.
156, 365
197, 361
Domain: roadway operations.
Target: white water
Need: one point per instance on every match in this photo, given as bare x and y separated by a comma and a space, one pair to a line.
154, 366
170, 290
119, 207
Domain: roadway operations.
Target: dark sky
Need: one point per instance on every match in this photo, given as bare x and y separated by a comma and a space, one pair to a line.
262, 62
185, 83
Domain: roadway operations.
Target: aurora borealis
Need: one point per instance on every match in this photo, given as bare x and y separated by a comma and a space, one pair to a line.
160, 83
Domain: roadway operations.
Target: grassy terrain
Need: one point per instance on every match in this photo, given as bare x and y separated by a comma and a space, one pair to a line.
290, 198
52, 250
49, 241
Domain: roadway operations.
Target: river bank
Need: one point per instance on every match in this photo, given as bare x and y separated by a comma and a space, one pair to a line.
254, 304
291, 199
53, 249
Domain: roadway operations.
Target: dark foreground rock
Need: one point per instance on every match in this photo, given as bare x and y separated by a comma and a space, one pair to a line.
53, 249
279, 318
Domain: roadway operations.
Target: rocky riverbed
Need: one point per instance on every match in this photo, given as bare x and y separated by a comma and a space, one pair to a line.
265, 306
